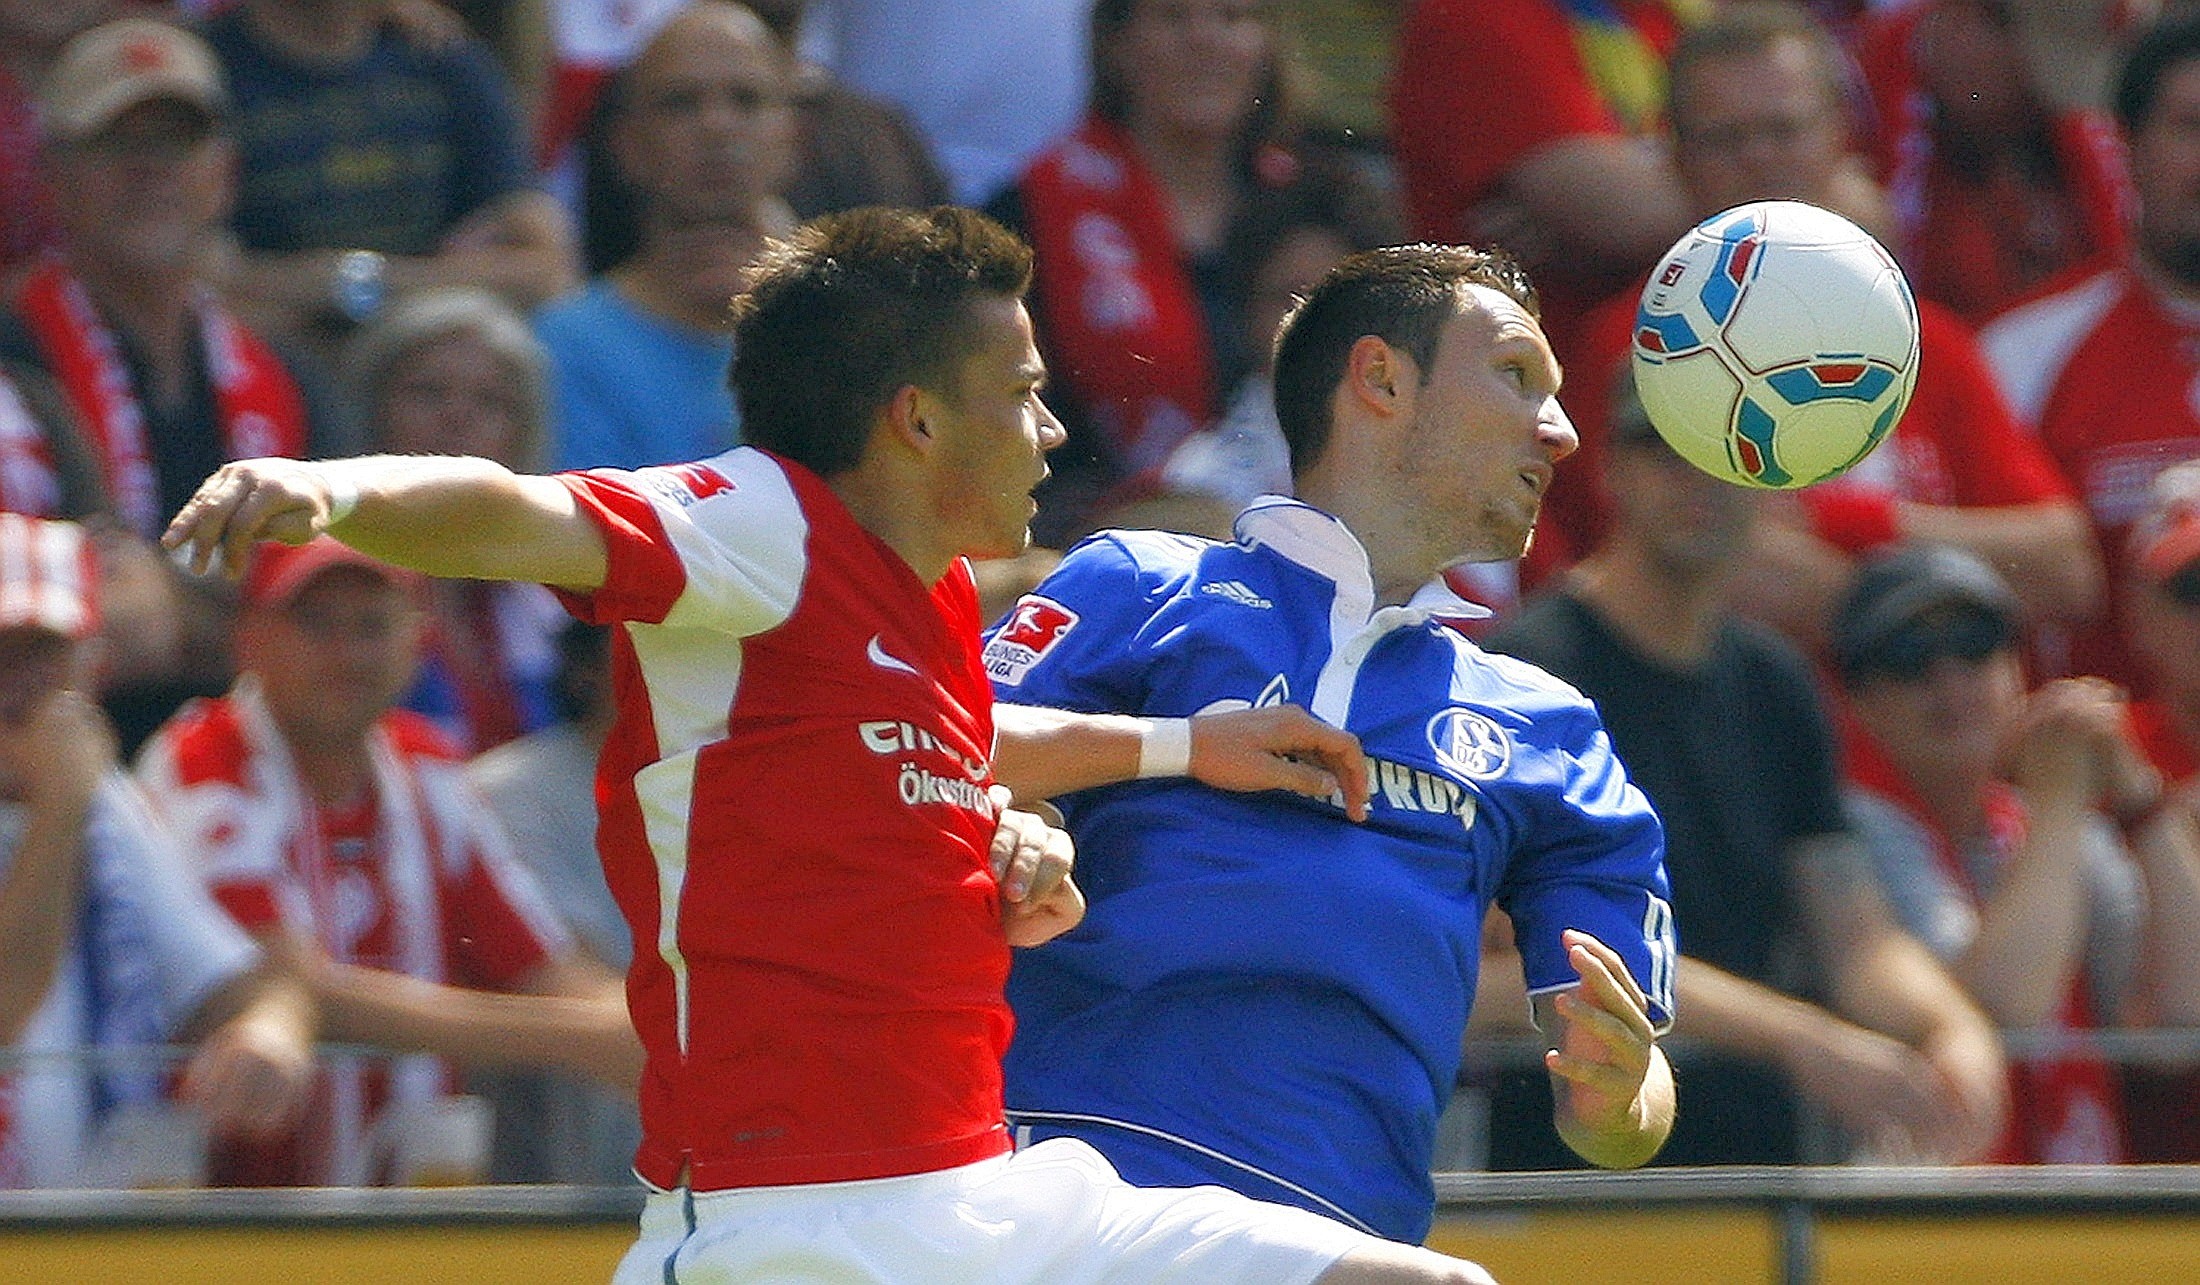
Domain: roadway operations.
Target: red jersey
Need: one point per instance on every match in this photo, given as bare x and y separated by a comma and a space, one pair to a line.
2107, 374
419, 880
794, 821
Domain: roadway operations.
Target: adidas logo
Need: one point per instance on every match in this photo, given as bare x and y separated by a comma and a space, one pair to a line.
1236, 591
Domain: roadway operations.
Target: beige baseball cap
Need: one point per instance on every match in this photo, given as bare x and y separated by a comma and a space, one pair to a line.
111, 68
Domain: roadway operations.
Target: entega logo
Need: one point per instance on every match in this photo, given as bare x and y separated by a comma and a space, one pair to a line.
1031, 631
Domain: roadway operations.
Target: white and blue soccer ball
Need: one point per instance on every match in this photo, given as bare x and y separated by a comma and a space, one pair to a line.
1776, 345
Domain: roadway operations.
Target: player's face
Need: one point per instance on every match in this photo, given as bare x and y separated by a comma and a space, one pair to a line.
1757, 126
994, 433
338, 655
454, 396
1484, 432
1192, 66
710, 126
2165, 168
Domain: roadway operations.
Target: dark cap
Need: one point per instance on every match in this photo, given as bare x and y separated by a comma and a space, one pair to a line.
1902, 588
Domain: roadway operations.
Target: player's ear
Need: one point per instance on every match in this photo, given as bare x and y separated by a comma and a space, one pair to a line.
1375, 374
909, 418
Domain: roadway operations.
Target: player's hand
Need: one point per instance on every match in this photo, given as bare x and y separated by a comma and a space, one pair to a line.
1031, 859
246, 502
1281, 747
1605, 1047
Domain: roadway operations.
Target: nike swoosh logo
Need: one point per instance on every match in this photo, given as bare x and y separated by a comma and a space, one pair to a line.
883, 661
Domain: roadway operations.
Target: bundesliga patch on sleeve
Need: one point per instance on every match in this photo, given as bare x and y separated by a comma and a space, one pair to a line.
684, 484
1030, 632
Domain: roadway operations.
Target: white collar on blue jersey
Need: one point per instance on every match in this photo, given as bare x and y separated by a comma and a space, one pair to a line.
1303, 534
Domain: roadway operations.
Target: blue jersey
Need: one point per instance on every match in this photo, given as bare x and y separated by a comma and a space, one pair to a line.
1264, 994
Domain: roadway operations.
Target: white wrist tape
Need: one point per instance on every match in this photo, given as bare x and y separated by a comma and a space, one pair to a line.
1166, 748
343, 494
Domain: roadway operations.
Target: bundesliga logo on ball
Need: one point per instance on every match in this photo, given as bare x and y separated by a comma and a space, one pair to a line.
1776, 345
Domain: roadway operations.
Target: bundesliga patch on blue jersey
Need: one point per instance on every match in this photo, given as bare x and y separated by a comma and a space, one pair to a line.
1032, 629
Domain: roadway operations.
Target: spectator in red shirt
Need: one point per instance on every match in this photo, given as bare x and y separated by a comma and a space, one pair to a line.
1138, 219
1757, 114
2106, 373
2164, 1103
342, 834
1533, 124
2004, 177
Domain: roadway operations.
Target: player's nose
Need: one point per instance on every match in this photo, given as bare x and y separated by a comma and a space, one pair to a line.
1051, 431
1554, 432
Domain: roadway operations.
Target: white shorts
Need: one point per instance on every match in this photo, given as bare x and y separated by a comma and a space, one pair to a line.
1051, 1214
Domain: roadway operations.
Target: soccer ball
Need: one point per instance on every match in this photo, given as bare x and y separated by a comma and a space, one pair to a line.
1776, 345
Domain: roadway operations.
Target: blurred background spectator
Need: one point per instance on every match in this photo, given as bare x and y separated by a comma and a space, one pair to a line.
696, 142
343, 835
1533, 124
1133, 220
2004, 171
552, 1127
374, 162
113, 946
162, 382
2164, 1101
989, 84
456, 371
1797, 982
2021, 885
2105, 372
851, 149
1757, 113
1289, 239
32, 33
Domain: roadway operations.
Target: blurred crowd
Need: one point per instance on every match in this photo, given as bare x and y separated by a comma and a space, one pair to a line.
1926, 739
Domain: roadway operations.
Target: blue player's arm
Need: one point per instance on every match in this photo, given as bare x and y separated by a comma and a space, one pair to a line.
1042, 752
1612, 1088
1587, 895
1069, 667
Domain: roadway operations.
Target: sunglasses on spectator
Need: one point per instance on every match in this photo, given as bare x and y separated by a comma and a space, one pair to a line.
1910, 652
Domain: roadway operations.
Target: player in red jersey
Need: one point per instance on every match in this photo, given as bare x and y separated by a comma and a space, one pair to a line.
799, 813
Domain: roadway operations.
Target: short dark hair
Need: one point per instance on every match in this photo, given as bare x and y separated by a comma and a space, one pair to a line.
2159, 50
852, 308
1403, 295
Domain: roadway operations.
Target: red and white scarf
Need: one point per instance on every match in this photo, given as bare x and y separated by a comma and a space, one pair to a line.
260, 409
2065, 1107
1122, 321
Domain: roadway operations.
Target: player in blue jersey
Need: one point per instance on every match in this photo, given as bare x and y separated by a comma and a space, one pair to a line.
1266, 993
